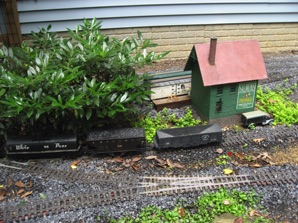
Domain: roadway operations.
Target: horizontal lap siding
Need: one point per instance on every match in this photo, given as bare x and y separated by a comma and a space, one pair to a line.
116, 14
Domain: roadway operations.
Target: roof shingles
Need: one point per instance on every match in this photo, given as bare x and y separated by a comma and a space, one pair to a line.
236, 61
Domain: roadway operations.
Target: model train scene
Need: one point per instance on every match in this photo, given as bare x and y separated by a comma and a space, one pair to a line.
115, 140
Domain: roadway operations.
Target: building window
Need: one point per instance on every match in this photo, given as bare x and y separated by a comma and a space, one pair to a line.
233, 88
219, 89
218, 106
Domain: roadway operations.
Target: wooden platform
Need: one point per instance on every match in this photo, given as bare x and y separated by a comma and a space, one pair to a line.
172, 102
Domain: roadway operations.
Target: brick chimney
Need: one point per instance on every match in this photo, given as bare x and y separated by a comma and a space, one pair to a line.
212, 50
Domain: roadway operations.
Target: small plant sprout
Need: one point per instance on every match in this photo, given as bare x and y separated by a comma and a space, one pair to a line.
252, 126
222, 160
248, 158
236, 128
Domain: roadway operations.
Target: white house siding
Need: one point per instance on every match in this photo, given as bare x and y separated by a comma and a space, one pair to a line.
62, 14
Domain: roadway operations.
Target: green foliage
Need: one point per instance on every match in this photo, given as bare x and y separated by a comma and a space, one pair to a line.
207, 207
222, 160
222, 201
164, 120
277, 103
73, 80
187, 120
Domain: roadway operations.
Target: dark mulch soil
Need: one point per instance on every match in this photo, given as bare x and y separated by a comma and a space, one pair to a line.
280, 202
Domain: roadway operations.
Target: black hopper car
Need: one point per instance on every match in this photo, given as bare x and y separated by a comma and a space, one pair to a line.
187, 136
115, 140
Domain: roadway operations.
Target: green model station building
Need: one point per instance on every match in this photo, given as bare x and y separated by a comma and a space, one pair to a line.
225, 77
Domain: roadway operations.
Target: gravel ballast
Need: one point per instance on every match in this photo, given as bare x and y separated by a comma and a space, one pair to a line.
280, 202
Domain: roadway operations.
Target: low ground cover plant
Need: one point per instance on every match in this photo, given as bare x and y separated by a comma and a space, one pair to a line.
164, 120
204, 210
277, 103
70, 81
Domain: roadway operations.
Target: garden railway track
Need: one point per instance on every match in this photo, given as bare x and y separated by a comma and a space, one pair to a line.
230, 141
121, 188
144, 186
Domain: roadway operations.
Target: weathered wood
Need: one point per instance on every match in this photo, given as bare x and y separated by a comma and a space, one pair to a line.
172, 102
12, 35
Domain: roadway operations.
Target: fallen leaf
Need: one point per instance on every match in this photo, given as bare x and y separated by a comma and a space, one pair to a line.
109, 171
76, 162
264, 155
19, 184
253, 158
2, 197
136, 158
178, 165
272, 101
3, 193
20, 191
136, 167
118, 159
30, 184
228, 171
230, 153
169, 163
256, 165
181, 212
238, 220
73, 167
150, 157
219, 150
118, 169
160, 161
240, 156
258, 140
252, 213
9, 182
126, 164
151, 165
26, 194
226, 202
235, 163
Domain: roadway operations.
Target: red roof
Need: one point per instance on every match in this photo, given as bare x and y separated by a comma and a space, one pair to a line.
236, 61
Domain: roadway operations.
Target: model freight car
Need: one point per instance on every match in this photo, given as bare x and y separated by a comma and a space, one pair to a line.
112, 141
187, 136
116, 140
25, 146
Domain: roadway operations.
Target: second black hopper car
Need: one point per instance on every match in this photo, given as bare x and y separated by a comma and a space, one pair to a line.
187, 136
114, 140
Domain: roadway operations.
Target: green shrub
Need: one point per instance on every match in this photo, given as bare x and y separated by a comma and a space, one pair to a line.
73, 81
164, 120
206, 208
277, 103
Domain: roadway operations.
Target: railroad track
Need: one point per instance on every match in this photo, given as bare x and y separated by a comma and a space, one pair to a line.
269, 135
128, 188
146, 186
69, 176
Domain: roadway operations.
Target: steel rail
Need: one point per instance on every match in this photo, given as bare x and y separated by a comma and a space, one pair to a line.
37, 209
153, 186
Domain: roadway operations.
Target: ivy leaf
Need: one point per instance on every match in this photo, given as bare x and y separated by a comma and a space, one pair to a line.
123, 98
88, 114
42, 196
228, 171
2, 91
